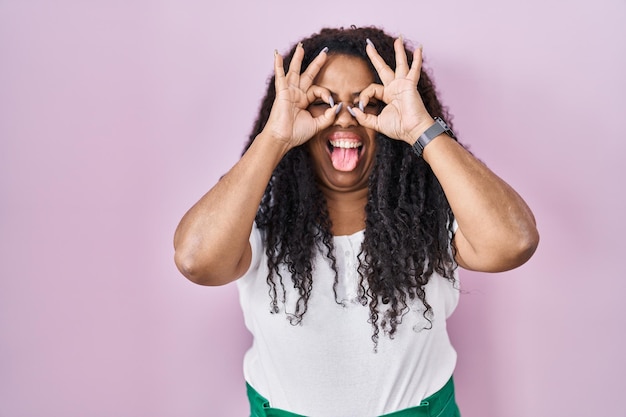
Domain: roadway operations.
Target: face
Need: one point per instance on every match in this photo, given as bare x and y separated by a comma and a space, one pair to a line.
343, 154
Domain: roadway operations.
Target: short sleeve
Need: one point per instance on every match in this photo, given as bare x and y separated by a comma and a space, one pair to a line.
256, 245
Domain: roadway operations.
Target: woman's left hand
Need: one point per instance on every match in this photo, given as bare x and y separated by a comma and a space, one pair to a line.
404, 116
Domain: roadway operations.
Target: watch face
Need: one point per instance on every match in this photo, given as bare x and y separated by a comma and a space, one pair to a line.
442, 123
446, 128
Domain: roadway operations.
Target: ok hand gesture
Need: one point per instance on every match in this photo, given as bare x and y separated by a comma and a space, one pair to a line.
290, 122
404, 117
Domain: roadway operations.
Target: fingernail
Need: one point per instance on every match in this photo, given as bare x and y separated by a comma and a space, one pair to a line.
323, 51
351, 111
338, 109
331, 102
370, 43
300, 44
275, 52
361, 105
401, 37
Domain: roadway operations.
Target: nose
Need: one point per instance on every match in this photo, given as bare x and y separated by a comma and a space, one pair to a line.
344, 118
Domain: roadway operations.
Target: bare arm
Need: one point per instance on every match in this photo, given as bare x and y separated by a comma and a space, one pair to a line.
212, 240
497, 230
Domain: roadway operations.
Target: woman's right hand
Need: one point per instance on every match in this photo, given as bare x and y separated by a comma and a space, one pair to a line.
290, 122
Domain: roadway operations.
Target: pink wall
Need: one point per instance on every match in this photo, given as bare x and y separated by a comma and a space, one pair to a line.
115, 116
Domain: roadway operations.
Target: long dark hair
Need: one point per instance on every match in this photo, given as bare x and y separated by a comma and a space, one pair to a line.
408, 219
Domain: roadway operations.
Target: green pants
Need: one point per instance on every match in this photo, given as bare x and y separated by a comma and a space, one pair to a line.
440, 404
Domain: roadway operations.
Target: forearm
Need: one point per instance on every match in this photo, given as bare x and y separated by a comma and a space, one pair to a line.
497, 230
212, 239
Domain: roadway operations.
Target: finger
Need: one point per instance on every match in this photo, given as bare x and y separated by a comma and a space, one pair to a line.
308, 76
279, 72
376, 91
326, 119
416, 65
402, 65
384, 72
365, 119
316, 92
293, 75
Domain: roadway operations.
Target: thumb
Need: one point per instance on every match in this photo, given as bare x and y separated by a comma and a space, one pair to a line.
327, 118
365, 119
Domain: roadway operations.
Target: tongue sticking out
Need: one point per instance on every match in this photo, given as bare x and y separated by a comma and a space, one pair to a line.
345, 159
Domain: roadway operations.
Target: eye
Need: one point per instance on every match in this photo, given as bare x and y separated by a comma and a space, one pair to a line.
318, 107
373, 107
320, 103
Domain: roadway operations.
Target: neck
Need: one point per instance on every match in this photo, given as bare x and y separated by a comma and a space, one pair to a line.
346, 210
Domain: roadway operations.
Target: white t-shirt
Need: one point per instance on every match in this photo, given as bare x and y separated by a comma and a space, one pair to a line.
326, 366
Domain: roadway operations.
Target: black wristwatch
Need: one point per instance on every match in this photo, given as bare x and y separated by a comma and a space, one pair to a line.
431, 133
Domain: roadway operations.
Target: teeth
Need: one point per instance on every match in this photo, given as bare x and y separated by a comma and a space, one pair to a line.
347, 144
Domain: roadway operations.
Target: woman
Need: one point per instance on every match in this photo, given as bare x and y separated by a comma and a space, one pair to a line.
346, 218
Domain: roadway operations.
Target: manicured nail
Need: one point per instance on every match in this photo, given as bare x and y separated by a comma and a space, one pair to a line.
275, 52
401, 37
300, 44
370, 43
338, 109
361, 105
331, 101
323, 51
351, 111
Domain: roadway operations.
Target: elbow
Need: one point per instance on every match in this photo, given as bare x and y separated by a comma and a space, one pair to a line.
511, 252
525, 246
188, 266
195, 271
502, 252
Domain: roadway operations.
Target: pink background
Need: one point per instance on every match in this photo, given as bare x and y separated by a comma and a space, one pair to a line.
116, 116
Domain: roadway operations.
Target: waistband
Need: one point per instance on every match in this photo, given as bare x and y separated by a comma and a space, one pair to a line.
440, 404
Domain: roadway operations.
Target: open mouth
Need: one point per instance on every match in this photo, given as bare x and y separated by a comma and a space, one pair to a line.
345, 152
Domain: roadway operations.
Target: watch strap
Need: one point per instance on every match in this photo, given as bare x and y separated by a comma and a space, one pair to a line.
431, 133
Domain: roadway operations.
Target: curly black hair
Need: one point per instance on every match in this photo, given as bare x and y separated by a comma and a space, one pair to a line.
409, 223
